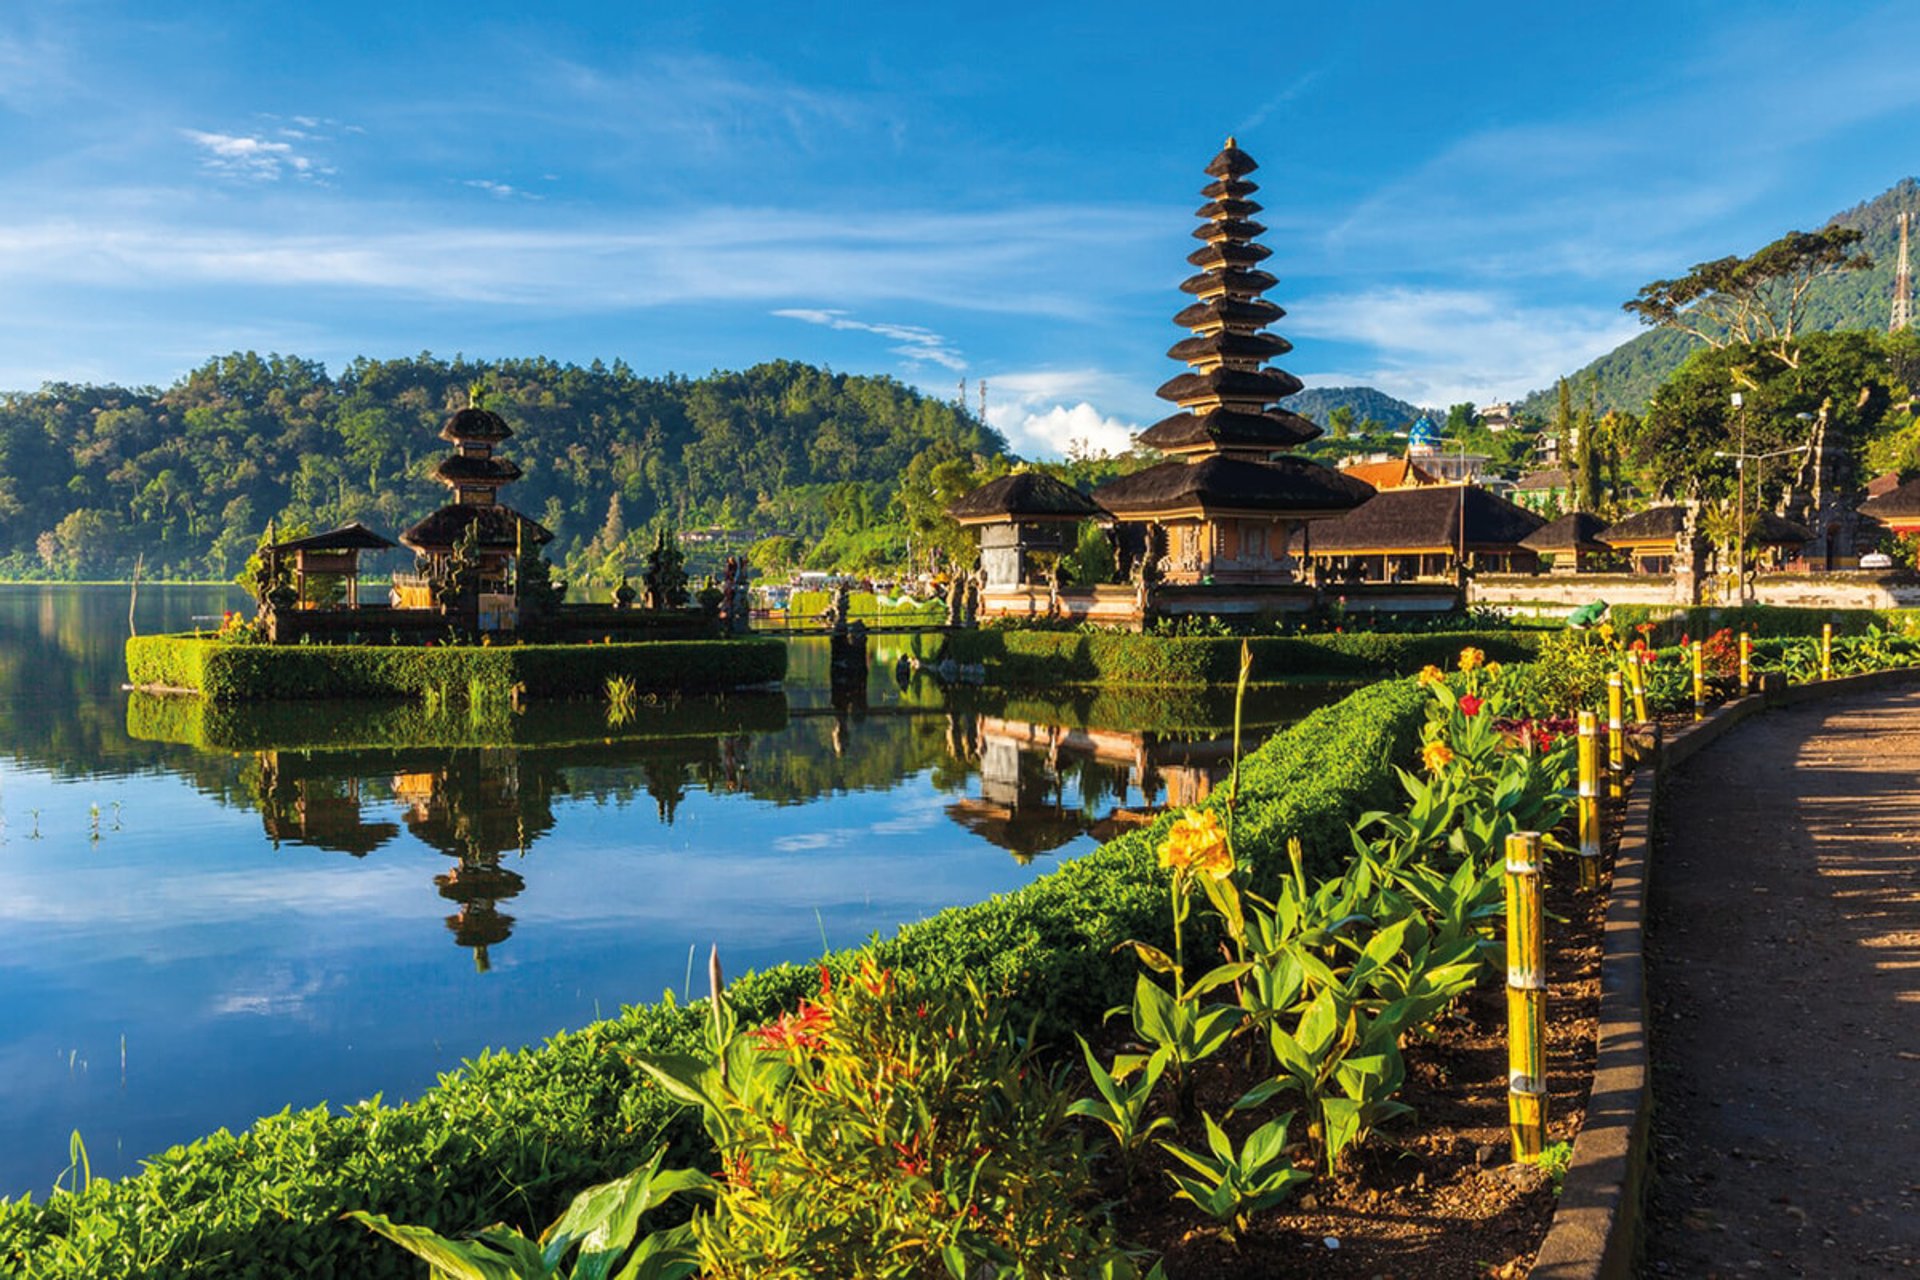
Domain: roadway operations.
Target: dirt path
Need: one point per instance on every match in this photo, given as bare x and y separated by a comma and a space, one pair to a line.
1784, 972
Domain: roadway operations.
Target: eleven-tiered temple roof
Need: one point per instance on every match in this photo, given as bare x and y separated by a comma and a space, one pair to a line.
1229, 430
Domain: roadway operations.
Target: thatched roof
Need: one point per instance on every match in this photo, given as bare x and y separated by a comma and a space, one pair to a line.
1239, 284
1229, 228
1264, 385
460, 469
1227, 209
1244, 314
1901, 503
1575, 531
499, 528
1230, 346
1229, 189
1228, 255
1228, 429
476, 425
1426, 519
1655, 524
1024, 495
1232, 162
348, 537
1224, 483
1778, 531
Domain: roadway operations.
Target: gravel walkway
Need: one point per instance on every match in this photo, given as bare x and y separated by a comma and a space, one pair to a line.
1784, 974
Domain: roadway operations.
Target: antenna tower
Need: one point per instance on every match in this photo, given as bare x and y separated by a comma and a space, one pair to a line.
1903, 282
983, 399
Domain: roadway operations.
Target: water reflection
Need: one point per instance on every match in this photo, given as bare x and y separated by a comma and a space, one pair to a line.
294, 903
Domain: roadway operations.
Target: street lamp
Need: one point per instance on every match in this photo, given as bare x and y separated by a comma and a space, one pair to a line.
1740, 461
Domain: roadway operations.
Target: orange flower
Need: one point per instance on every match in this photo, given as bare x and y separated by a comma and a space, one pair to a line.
1471, 658
1198, 843
801, 1030
1437, 756
1431, 674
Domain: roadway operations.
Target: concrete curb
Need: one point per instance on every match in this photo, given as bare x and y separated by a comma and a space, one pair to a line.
1595, 1234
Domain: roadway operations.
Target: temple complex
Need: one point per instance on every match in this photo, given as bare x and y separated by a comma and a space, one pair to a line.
1224, 508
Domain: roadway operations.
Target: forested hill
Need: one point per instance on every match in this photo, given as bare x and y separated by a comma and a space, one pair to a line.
92, 476
1318, 403
1626, 376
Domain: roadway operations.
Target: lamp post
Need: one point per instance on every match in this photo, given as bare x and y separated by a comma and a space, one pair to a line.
1740, 461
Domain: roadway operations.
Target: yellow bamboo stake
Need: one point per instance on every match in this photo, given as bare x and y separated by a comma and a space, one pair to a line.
1616, 736
1826, 651
1589, 803
1699, 681
1746, 663
1637, 671
1526, 998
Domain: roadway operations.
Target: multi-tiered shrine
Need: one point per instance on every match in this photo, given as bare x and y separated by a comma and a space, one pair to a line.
476, 524
1225, 508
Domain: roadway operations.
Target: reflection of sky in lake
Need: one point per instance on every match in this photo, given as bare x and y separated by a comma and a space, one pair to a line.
180, 972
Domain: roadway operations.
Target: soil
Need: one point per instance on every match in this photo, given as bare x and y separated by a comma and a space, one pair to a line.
1784, 976
1433, 1195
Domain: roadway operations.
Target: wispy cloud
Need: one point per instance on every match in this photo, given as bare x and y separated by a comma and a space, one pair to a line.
1441, 346
252, 158
913, 343
500, 190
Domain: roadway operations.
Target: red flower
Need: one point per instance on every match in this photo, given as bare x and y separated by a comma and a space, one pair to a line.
1469, 705
801, 1030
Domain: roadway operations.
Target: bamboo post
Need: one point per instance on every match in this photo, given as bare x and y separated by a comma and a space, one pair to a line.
1526, 998
1637, 670
1826, 651
1699, 681
1589, 801
1746, 663
1616, 736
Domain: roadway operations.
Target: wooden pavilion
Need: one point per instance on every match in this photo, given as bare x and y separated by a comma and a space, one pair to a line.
1223, 510
333, 556
1567, 543
1897, 510
1649, 539
1429, 533
1020, 516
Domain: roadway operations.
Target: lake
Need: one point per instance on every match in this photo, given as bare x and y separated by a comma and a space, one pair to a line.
208, 914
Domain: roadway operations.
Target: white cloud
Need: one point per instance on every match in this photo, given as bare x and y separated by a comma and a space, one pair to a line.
500, 190
915, 344
1043, 413
249, 158
1442, 346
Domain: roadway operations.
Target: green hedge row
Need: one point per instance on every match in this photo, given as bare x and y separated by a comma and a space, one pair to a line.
300, 726
1038, 659
1759, 620
513, 1136
251, 672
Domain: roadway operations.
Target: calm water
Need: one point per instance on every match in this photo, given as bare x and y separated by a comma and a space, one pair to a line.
209, 914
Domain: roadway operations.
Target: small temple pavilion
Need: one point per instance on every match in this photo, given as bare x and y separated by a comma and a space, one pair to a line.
1897, 510
1569, 542
1430, 532
1649, 539
332, 558
1019, 516
475, 477
1225, 506
1389, 473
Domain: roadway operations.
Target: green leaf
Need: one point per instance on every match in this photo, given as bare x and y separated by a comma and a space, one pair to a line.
457, 1259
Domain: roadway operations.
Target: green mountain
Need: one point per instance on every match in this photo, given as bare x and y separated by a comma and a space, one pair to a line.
187, 477
1626, 376
1318, 402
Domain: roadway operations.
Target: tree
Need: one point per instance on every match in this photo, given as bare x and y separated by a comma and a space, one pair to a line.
1341, 422
1461, 419
1756, 302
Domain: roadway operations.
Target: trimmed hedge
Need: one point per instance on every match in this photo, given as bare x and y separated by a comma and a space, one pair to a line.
247, 672
1038, 659
367, 725
513, 1136
1759, 620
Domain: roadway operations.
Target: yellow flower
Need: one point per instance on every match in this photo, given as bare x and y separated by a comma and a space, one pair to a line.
1430, 674
1437, 756
1198, 843
1471, 658
1606, 631
1493, 668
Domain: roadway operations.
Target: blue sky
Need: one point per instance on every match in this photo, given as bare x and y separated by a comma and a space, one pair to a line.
1459, 197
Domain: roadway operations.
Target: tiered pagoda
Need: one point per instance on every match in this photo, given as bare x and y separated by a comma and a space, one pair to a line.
476, 477
1225, 506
